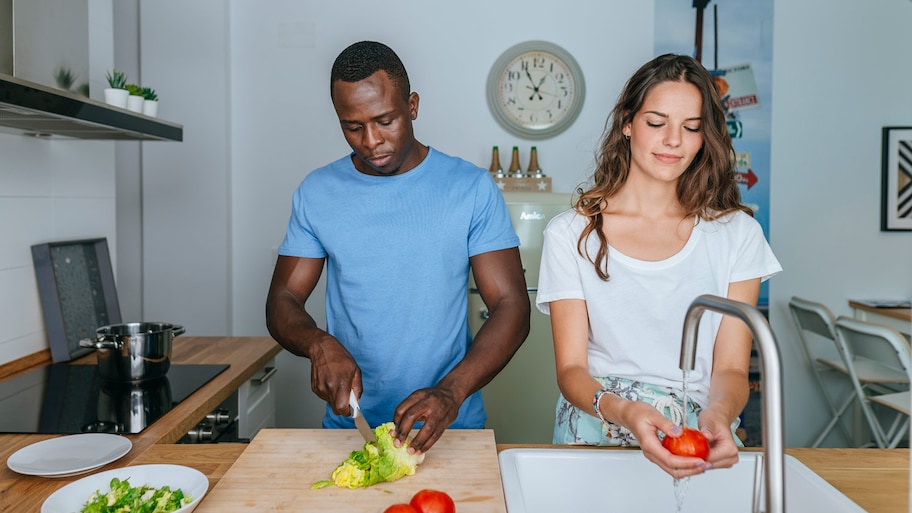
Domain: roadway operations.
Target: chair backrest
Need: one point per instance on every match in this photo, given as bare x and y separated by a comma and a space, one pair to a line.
877, 341
814, 317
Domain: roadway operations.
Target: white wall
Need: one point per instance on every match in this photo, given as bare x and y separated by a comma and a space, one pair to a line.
50, 190
838, 78
186, 186
249, 82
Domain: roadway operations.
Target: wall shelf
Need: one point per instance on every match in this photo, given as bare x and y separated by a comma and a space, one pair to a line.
33, 109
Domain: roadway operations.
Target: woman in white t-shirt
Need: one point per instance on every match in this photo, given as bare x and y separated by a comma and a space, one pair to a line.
660, 224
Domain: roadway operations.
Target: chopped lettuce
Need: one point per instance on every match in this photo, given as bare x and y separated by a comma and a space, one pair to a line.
124, 498
377, 462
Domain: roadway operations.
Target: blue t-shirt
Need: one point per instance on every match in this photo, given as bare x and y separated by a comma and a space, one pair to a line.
397, 254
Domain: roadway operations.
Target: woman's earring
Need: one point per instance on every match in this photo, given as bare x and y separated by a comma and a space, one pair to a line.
627, 137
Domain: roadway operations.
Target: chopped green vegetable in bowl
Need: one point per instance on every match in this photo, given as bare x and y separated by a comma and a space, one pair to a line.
124, 498
158, 485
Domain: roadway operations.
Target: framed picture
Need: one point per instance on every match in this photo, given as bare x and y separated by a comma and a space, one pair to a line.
896, 189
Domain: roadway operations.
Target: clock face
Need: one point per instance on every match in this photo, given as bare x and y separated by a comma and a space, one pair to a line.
535, 89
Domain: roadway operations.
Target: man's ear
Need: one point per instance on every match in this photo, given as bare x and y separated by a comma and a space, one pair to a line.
413, 105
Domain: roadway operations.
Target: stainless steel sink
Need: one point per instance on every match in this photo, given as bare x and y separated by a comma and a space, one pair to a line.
565, 480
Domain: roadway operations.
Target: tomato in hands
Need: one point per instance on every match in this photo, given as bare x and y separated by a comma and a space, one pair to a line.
400, 508
692, 442
433, 501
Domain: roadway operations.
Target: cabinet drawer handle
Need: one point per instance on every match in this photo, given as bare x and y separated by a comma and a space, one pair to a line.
267, 373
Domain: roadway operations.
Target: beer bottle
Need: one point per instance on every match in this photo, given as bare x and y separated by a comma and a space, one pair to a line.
515, 169
496, 169
534, 170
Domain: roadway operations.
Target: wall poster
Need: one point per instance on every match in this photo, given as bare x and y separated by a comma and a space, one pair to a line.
734, 41
896, 188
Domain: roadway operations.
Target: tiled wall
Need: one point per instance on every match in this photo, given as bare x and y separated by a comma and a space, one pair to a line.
50, 189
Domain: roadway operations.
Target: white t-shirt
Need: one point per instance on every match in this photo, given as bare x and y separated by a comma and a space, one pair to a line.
636, 318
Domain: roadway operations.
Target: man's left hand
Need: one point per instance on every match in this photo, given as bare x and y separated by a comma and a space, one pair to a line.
436, 408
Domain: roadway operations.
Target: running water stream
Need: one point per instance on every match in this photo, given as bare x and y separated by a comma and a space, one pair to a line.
680, 485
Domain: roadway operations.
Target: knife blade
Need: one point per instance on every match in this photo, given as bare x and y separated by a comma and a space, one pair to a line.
360, 422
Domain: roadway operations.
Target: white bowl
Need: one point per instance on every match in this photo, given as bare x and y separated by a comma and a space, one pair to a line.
72, 497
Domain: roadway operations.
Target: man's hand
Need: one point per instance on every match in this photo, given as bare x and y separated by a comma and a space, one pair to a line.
334, 374
435, 407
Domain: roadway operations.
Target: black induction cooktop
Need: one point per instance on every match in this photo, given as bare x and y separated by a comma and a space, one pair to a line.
68, 399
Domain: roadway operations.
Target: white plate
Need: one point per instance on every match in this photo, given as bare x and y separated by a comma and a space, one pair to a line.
69, 455
72, 497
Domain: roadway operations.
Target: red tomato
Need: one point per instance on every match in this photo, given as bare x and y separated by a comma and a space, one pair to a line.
433, 501
400, 508
692, 442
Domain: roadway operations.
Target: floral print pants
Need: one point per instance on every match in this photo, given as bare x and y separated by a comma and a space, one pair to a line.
573, 426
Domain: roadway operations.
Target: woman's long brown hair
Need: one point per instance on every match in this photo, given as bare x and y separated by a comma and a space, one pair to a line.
707, 189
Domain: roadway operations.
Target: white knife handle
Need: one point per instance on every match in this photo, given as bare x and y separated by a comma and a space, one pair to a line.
353, 402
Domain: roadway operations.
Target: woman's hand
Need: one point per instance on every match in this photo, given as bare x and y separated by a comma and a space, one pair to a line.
644, 420
723, 452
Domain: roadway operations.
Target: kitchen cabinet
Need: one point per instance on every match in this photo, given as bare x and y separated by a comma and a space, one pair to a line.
257, 402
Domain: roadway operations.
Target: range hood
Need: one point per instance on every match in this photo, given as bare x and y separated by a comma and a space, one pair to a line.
34, 109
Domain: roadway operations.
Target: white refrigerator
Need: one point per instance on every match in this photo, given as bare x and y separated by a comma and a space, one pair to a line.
520, 401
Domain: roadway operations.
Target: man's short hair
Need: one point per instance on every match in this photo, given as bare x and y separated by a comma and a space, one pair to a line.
365, 58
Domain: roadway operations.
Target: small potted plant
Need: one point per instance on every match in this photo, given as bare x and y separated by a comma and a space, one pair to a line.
135, 99
117, 93
66, 79
150, 105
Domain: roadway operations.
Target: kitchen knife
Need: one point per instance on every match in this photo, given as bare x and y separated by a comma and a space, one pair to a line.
360, 422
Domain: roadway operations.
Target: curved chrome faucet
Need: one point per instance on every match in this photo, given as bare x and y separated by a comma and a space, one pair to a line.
771, 371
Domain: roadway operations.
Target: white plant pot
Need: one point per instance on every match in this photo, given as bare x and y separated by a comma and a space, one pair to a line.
150, 108
135, 103
116, 97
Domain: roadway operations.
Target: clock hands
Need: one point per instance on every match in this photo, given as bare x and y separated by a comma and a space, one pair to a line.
535, 87
539, 92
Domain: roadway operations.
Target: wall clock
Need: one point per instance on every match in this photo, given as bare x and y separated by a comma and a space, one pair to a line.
535, 89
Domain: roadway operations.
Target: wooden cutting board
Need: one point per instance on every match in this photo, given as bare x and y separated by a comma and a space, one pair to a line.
275, 472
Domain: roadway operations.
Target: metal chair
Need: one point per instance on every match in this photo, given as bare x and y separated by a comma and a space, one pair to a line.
817, 331
889, 358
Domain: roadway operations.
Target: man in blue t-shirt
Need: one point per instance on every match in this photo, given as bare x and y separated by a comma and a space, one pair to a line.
398, 226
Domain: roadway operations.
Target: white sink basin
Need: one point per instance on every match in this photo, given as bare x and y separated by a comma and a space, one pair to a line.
569, 480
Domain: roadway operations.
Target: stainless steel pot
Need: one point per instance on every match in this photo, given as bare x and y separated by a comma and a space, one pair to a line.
136, 351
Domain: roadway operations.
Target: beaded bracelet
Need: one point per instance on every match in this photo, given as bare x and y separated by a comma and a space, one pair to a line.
595, 405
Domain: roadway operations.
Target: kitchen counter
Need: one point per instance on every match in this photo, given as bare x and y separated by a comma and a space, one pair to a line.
876, 479
244, 355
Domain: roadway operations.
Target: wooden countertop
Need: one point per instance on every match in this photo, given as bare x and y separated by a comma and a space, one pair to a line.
245, 356
876, 479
